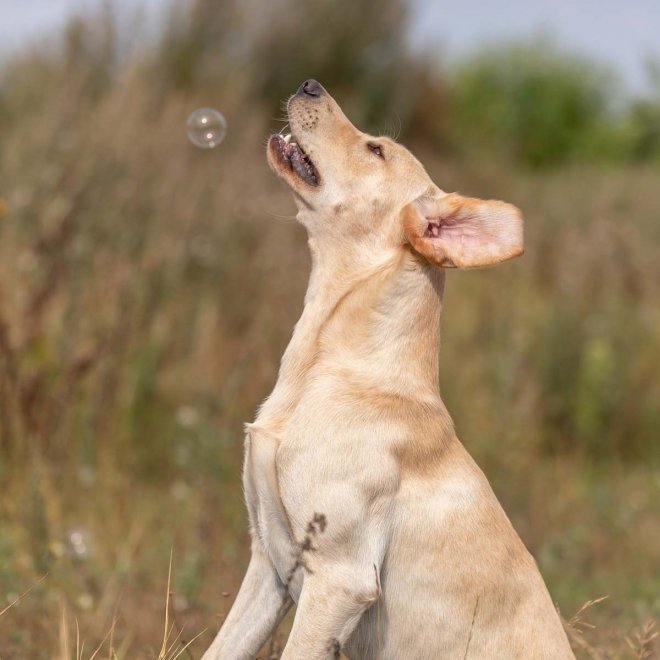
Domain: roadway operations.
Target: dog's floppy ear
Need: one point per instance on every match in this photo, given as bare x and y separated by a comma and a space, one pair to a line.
462, 232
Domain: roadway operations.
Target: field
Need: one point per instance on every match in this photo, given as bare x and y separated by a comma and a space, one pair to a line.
148, 289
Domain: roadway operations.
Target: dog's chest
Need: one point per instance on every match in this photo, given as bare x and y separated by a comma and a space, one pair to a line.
268, 517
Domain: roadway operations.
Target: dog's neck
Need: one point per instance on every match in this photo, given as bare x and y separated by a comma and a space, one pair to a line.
375, 321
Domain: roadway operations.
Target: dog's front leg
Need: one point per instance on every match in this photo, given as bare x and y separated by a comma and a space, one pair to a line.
260, 605
331, 603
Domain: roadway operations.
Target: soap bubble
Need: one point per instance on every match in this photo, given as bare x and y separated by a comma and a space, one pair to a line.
206, 128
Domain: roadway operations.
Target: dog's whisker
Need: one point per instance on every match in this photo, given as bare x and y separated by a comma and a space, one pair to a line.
398, 132
279, 216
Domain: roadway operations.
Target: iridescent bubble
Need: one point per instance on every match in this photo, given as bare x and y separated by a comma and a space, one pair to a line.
206, 128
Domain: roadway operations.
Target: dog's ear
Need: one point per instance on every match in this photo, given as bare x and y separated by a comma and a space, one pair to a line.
461, 232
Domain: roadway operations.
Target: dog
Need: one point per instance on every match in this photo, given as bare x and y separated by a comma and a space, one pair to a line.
364, 507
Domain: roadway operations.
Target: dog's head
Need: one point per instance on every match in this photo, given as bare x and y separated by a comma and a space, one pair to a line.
350, 185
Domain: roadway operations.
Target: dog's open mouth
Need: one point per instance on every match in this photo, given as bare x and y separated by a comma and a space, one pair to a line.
291, 155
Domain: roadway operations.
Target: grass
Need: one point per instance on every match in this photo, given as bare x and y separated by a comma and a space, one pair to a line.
147, 290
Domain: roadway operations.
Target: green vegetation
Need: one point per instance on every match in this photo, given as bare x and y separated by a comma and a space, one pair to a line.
532, 103
540, 107
147, 290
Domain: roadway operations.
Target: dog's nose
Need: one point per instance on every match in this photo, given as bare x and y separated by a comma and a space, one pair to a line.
310, 87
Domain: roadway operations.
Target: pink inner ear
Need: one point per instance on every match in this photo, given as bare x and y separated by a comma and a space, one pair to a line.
433, 229
453, 230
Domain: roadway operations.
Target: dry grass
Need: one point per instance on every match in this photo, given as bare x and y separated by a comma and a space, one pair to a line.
147, 290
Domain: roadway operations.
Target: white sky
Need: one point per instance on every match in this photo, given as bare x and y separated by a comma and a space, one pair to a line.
622, 33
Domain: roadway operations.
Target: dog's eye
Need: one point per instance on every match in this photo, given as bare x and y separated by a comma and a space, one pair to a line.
375, 149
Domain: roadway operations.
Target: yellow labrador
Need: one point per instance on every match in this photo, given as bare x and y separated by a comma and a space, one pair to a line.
365, 509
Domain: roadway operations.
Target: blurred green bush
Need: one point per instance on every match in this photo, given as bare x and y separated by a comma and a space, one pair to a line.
531, 103
536, 105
